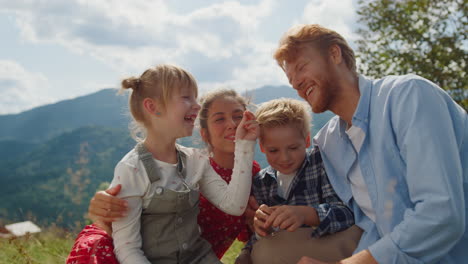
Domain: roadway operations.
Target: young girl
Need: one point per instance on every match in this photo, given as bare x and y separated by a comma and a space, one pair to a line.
161, 180
221, 113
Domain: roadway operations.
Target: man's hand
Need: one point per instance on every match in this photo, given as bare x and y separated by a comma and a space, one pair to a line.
105, 207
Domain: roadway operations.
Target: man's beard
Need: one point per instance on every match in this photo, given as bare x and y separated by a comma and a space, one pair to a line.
327, 92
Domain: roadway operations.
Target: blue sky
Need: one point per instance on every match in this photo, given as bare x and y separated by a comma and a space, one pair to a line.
53, 50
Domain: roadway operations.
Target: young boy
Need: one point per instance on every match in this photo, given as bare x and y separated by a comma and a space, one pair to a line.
300, 213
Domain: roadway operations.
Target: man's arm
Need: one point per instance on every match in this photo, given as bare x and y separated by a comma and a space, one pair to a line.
424, 133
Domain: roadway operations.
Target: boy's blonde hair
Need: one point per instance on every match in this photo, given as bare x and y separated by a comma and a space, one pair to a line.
317, 36
282, 112
159, 83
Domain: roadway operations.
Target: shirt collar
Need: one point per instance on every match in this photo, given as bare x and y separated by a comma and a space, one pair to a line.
361, 114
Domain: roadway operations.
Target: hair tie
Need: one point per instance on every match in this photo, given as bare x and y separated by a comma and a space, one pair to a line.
137, 84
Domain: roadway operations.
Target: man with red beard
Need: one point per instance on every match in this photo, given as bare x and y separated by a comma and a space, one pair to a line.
396, 153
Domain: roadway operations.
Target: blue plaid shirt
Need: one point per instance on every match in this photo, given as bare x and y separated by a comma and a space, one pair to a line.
309, 187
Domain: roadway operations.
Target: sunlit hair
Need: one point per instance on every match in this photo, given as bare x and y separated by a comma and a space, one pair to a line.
316, 36
207, 100
159, 83
284, 112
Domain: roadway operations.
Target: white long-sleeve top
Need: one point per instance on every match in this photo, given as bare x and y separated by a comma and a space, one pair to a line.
138, 191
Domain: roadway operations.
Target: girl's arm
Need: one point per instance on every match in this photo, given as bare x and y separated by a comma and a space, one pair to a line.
233, 198
126, 230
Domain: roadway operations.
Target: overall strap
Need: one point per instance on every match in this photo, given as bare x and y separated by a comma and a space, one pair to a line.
181, 163
150, 165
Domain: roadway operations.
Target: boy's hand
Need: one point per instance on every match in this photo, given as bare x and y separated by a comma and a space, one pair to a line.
261, 215
248, 127
290, 217
105, 207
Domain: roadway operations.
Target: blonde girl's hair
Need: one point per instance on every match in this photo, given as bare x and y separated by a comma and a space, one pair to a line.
159, 83
207, 100
320, 37
284, 112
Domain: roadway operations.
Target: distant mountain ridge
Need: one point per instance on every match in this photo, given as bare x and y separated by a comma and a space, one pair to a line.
103, 108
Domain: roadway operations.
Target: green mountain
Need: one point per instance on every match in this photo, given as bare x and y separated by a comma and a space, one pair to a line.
103, 108
54, 181
53, 158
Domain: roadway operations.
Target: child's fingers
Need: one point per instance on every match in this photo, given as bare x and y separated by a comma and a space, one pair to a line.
280, 218
293, 227
249, 115
258, 226
272, 218
266, 209
287, 223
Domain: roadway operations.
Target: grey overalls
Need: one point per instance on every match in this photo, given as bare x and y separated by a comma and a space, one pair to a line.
169, 227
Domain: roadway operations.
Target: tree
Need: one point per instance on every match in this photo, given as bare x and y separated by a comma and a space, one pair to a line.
424, 37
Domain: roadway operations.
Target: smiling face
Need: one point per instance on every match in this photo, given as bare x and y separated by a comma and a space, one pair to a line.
178, 117
313, 76
284, 147
224, 114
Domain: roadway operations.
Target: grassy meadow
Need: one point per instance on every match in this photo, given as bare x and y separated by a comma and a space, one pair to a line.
53, 246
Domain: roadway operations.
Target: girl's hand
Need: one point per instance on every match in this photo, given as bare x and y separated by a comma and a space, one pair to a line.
105, 207
248, 128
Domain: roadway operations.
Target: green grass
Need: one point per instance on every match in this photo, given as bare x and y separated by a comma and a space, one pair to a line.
50, 246
53, 246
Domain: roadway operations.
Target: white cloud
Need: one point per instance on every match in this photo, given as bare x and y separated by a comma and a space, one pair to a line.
339, 15
123, 31
226, 43
21, 89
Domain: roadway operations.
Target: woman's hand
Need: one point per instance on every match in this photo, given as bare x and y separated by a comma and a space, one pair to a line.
105, 207
248, 128
252, 206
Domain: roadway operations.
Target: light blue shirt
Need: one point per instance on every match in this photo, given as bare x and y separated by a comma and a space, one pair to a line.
414, 160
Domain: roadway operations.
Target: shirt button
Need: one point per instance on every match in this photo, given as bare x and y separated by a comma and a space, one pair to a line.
184, 246
179, 220
159, 190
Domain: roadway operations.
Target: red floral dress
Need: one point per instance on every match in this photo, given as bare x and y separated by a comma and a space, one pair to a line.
219, 228
94, 246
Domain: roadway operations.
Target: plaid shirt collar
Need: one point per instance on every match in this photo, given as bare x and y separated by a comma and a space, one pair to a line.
272, 173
